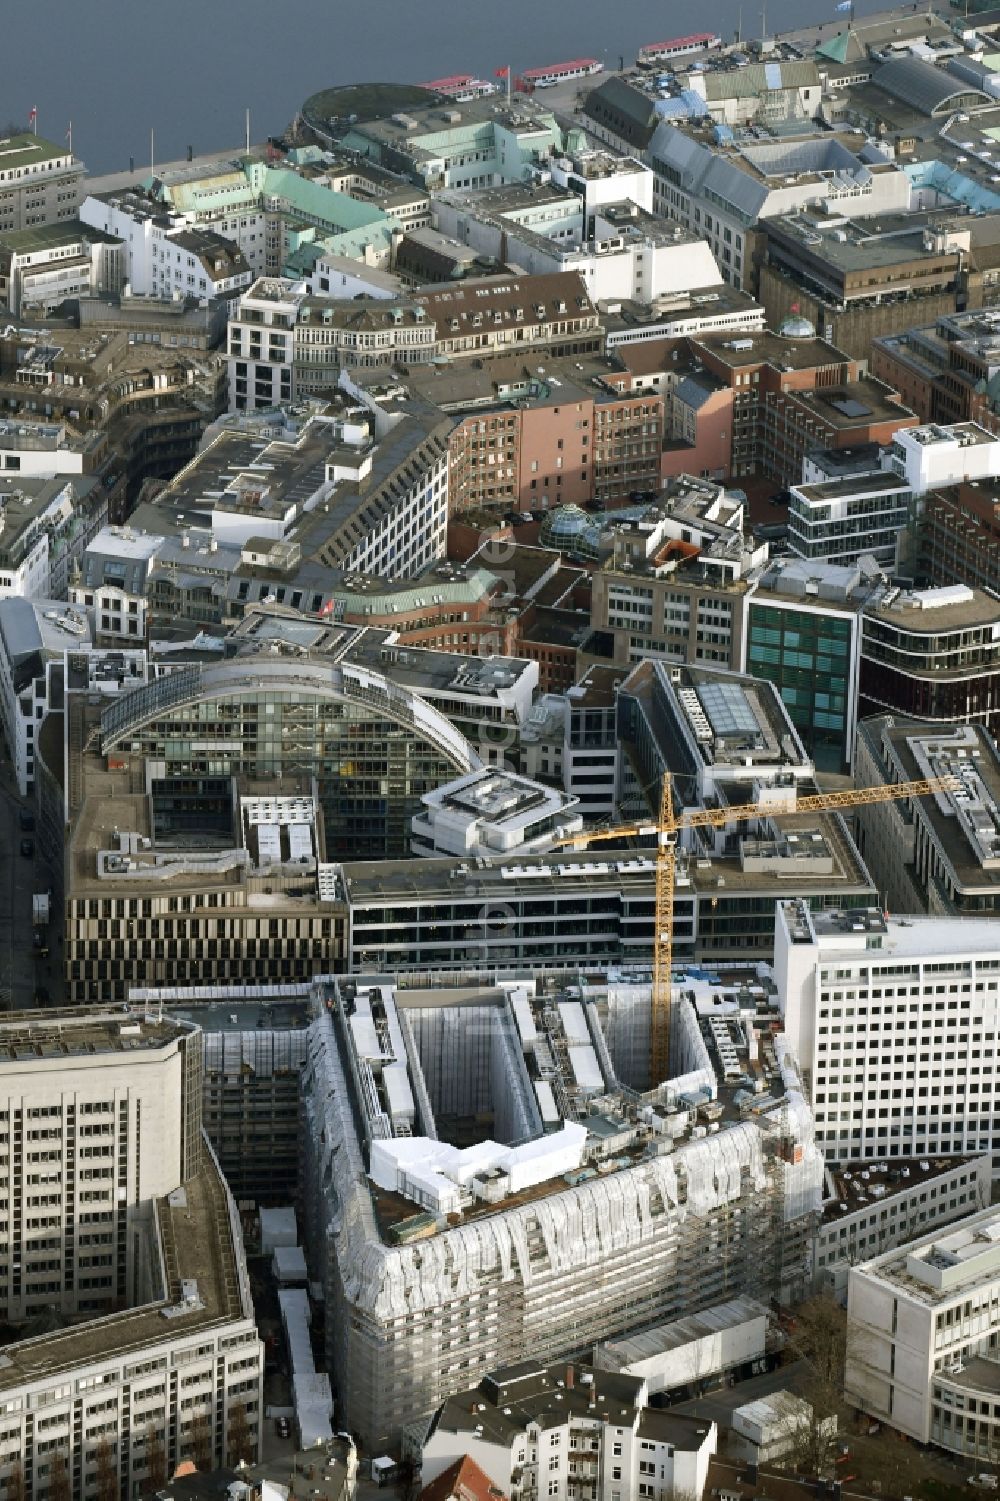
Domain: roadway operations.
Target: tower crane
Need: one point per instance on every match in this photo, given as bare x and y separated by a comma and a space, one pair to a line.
666, 830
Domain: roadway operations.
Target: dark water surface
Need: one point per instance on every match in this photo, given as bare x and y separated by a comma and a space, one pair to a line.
190, 68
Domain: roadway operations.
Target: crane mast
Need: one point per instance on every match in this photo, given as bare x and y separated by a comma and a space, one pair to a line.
666, 831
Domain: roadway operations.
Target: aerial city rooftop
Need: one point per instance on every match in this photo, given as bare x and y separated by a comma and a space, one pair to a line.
499, 698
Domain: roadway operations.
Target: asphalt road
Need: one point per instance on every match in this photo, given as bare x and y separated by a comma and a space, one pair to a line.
21, 970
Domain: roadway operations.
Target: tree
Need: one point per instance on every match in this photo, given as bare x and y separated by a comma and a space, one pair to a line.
156, 1460
201, 1440
15, 1482
59, 1486
241, 1445
107, 1471
818, 1339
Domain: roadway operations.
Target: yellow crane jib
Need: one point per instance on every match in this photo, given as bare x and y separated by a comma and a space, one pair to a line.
666, 831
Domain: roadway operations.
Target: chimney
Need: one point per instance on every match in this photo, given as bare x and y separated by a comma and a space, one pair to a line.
570, 1378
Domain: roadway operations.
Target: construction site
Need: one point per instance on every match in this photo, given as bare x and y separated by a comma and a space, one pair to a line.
482, 1181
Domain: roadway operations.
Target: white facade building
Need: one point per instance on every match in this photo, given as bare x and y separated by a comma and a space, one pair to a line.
33, 635
283, 343
165, 256
600, 178
492, 812
842, 520
620, 250
99, 1124
895, 1024
570, 1431
933, 456
118, 1218
872, 1207
38, 450
923, 1331
41, 268
112, 582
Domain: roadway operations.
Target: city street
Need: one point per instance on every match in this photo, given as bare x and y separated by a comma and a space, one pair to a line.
20, 970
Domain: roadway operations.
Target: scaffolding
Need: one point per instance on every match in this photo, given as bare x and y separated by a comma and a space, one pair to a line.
688, 1216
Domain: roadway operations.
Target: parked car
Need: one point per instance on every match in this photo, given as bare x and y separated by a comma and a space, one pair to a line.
27, 821
28, 848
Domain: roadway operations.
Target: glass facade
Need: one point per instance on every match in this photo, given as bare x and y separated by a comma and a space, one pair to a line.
371, 766
807, 656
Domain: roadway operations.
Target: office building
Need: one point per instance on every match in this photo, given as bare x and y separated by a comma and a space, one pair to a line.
537, 441
674, 579
40, 182
618, 246
34, 637
458, 1143
723, 736
47, 524
945, 370
253, 1048
122, 1235
940, 854
957, 537
43, 267
932, 655
935, 456
100, 1140
135, 412
922, 1335
893, 1021
265, 518
164, 255
570, 1430
802, 632
855, 280
793, 392
284, 343
226, 847
265, 216
843, 520
439, 143
492, 814
727, 193
870, 1208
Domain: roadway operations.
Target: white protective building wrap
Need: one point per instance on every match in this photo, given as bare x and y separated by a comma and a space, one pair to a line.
803, 1189
579, 1228
541, 1274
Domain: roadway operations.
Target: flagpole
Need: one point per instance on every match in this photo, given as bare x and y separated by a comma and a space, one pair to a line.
69, 137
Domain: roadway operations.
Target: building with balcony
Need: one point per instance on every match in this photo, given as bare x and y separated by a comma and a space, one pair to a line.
590, 1432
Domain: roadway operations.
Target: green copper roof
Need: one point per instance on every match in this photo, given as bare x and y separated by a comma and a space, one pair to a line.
836, 48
